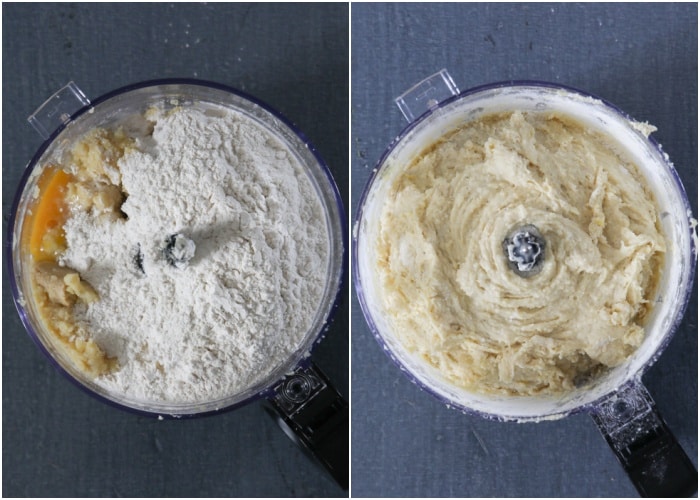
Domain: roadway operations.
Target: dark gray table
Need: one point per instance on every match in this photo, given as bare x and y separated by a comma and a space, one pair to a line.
58, 441
642, 58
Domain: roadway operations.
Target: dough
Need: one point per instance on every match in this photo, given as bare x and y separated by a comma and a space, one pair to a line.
444, 277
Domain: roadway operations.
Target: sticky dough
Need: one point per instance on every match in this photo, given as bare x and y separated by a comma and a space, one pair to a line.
444, 279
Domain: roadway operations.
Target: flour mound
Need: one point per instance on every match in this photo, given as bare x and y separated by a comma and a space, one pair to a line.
246, 299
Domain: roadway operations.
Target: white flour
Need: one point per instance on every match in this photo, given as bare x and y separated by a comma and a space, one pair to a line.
244, 302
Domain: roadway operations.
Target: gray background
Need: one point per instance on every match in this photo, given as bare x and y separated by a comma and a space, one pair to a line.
58, 441
642, 58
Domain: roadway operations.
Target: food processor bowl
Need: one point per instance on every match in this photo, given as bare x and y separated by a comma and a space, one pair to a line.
123, 107
298, 395
434, 107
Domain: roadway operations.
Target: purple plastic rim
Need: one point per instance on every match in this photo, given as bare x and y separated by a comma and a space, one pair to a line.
634, 377
9, 239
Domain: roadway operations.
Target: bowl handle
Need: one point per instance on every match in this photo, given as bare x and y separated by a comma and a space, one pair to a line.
58, 109
315, 416
644, 445
426, 95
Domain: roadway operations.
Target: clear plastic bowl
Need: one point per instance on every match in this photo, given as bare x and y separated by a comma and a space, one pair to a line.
673, 292
119, 107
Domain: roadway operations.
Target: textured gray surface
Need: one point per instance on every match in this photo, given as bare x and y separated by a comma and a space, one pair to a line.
57, 441
642, 58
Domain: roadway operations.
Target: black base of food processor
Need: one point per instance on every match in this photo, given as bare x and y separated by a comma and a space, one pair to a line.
315, 416
644, 445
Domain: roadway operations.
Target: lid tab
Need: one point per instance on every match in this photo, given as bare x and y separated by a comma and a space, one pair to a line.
426, 95
58, 109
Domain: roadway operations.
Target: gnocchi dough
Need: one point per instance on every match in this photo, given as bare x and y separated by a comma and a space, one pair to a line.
444, 279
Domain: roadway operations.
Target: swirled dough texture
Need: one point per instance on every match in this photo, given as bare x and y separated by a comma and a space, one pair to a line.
445, 280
